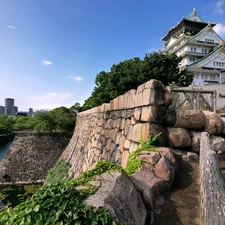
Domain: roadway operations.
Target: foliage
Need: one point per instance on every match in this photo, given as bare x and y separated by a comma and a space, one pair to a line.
100, 167
75, 108
129, 74
23, 123
149, 143
56, 204
61, 203
59, 173
15, 194
5, 124
58, 119
134, 163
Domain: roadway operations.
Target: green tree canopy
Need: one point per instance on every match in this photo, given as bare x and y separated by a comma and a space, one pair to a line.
6, 124
129, 74
59, 119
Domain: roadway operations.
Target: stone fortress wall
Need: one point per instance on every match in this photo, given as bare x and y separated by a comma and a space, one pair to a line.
31, 156
112, 131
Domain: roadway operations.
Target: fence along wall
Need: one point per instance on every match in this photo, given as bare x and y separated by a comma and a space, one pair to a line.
212, 185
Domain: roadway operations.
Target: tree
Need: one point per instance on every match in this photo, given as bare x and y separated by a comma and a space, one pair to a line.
164, 67
6, 124
59, 119
129, 74
75, 108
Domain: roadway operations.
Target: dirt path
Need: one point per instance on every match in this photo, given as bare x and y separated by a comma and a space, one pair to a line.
182, 201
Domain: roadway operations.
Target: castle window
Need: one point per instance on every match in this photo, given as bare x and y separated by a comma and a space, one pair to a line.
209, 41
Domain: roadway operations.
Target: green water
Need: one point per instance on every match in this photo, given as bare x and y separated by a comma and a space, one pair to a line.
13, 195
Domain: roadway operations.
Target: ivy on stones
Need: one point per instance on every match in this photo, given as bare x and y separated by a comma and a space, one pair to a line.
60, 203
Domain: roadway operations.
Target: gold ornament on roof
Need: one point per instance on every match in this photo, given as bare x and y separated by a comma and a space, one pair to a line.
209, 24
222, 43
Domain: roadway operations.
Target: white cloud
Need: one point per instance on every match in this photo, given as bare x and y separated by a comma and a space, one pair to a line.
46, 63
219, 7
11, 27
52, 100
220, 29
51, 96
76, 78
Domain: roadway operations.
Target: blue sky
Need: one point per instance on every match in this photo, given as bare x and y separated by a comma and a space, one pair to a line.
52, 50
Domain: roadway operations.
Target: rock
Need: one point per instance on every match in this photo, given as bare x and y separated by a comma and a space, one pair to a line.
156, 129
149, 186
223, 124
158, 203
178, 137
190, 119
171, 117
154, 114
213, 123
151, 157
168, 154
218, 143
192, 156
169, 98
118, 194
152, 92
195, 143
162, 169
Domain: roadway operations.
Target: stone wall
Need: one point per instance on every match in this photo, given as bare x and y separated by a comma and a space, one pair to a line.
113, 131
31, 155
212, 184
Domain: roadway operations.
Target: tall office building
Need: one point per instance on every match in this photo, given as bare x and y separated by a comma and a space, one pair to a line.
2, 110
10, 109
31, 112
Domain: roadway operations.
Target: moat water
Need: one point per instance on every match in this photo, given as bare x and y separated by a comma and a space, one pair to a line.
4, 147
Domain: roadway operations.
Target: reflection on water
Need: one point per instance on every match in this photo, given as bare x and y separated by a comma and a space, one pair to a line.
4, 147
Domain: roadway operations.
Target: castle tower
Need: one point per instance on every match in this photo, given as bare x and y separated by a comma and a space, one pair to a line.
201, 48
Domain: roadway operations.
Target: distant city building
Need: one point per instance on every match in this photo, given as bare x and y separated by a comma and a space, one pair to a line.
10, 109
2, 110
21, 114
31, 112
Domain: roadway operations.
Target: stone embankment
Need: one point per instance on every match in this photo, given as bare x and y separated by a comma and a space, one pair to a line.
113, 131
212, 184
31, 155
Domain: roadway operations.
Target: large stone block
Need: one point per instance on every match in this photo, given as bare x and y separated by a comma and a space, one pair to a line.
140, 129
213, 123
157, 93
130, 99
171, 117
190, 119
195, 141
139, 95
118, 194
178, 137
155, 129
162, 169
223, 124
154, 114
217, 143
